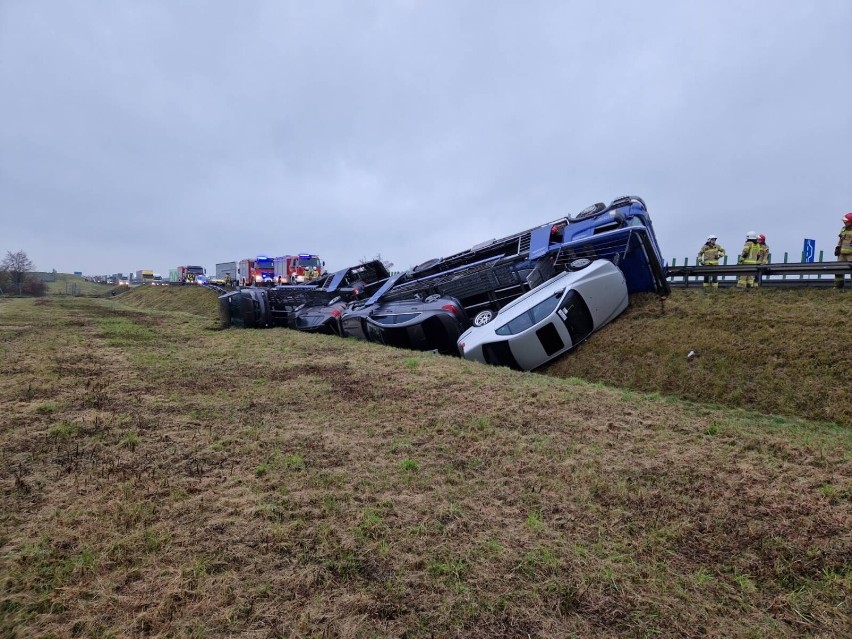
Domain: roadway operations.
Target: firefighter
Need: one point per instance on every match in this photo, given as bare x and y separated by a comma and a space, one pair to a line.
710, 254
764, 249
843, 251
749, 255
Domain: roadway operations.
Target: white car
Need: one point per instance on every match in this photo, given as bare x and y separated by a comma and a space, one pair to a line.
551, 319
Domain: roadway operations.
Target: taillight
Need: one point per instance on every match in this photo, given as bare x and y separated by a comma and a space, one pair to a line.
452, 308
335, 313
461, 346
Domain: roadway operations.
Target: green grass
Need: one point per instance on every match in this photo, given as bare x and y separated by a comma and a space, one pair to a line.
152, 487
197, 300
775, 351
69, 284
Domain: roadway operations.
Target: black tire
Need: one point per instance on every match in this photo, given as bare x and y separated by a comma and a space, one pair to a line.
589, 212
483, 317
580, 264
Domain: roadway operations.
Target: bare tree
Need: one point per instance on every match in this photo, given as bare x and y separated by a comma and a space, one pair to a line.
17, 266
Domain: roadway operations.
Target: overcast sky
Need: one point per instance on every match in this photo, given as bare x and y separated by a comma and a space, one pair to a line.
151, 134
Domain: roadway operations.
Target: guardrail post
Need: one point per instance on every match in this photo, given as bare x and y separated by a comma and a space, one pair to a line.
819, 277
784, 277
685, 276
801, 277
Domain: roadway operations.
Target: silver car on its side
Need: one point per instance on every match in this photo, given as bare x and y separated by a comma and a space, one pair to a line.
551, 319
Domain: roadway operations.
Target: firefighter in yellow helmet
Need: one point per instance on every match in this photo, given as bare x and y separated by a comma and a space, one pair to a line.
749, 255
710, 254
844, 247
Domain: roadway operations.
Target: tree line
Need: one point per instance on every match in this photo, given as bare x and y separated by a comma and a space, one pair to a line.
16, 276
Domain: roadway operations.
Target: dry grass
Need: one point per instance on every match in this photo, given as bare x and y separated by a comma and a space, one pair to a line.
161, 479
197, 300
774, 351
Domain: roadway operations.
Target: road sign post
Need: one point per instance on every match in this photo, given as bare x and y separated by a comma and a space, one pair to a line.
809, 250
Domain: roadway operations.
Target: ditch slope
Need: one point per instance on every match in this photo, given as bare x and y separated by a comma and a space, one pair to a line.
774, 351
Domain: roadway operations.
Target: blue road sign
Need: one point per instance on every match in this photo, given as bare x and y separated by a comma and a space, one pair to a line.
809, 250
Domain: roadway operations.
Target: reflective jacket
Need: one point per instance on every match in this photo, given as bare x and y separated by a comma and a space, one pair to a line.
750, 253
763, 256
845, 240
710, 254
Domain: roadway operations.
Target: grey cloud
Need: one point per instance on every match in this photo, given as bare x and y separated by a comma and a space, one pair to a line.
153, 134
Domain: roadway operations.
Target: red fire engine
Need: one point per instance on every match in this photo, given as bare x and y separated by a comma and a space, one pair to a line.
298, 269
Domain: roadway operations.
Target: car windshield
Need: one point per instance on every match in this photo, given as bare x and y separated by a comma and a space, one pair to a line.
531, 317
309, 262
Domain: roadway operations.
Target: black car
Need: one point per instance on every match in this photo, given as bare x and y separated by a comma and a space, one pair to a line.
279, 306
323, 318
248, 307
431, 324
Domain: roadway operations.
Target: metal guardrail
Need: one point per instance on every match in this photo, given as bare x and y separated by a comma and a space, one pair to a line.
809, 274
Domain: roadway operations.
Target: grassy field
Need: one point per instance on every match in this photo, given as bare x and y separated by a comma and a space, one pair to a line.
68, 284
160, 477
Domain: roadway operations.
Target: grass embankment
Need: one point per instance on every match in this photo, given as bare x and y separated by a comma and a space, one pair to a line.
197, 300
774, 351
160, 479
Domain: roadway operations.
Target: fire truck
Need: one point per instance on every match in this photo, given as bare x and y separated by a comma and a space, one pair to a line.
298, 269
188, 274
257, 271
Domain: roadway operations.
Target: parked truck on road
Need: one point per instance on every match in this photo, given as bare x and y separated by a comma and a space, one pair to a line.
144, 276
189, 274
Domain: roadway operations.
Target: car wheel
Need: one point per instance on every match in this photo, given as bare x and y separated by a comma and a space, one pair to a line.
589, 212
432, 298
578, 265
483, 317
